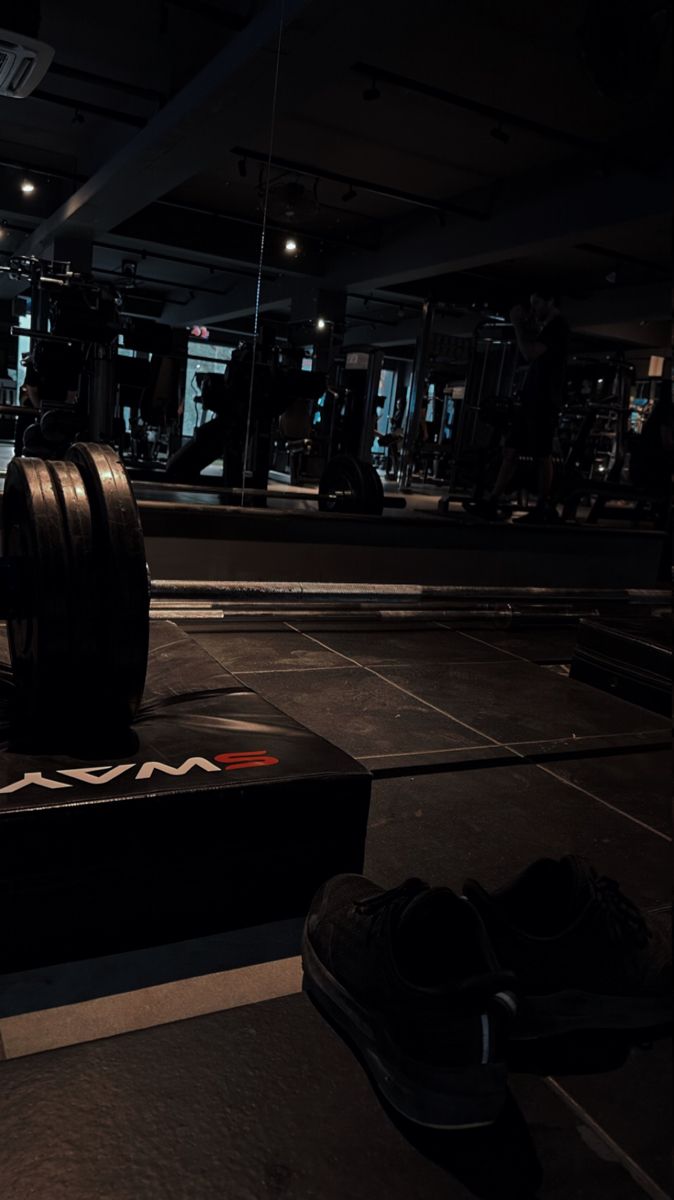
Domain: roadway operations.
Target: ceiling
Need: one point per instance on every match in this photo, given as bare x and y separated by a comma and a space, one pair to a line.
453, 149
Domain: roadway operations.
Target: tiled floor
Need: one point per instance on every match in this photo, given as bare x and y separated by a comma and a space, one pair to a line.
482, 761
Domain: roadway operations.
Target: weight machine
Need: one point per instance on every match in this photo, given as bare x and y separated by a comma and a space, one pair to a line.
76, 322
82, 387
592, 437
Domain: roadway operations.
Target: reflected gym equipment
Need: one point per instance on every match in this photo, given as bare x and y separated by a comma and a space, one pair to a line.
350, 485
75, 588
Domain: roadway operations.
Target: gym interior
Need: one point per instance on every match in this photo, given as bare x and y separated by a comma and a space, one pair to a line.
335, 461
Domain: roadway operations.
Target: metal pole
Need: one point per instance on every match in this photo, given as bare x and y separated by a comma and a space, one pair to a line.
416, 393
101, 399
461, 417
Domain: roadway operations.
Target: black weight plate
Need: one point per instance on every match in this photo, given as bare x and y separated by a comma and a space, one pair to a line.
85, 664
122, 585
33, 531
342, 475
374, 489
351, 480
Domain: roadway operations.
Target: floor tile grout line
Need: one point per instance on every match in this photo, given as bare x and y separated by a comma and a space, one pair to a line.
471, 638
416, 753
412, 696
290, 670
637, 1173
606, 803
479, 662
591, 737
501, 745
521, 658
542, 742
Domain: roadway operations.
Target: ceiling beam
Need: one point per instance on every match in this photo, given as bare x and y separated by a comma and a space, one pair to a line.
175, 144
528, 226
530, 217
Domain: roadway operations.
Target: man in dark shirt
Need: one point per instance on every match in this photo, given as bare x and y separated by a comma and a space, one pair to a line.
542, 337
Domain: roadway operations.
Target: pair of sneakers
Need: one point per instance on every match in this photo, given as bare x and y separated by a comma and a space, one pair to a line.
440, 995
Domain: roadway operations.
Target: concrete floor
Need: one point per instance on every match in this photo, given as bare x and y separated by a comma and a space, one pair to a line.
169, 1074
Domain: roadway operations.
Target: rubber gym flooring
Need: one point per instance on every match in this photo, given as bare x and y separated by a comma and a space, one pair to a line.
174, 1078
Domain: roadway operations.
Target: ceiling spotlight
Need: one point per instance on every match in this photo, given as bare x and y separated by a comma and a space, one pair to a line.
500, 135
27, 187
291, 246
372, 93
243, 168
78, 118
321, 323
612, 277
349, 195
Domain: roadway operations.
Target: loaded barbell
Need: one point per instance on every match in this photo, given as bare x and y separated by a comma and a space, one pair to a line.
348, 485
75, 591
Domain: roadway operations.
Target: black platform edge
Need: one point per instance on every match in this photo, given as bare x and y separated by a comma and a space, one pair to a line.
628, 658
176, 836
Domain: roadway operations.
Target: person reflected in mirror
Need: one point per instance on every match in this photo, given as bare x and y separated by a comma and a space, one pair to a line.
542, 336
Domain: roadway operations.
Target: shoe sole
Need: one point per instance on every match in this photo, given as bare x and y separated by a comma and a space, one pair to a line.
576, 1011
435, 1097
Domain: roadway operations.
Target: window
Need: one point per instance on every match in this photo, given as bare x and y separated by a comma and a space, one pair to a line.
386, 387
202, 359
23, 348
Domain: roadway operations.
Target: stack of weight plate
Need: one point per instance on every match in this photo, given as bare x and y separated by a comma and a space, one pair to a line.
79, 620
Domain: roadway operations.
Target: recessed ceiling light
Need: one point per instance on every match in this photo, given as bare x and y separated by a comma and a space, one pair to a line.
27, 187
321, 323
290, 246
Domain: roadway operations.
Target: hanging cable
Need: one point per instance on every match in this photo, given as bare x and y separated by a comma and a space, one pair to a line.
263, 235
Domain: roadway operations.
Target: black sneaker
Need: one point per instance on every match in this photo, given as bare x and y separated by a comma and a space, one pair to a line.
408, 978
583, 954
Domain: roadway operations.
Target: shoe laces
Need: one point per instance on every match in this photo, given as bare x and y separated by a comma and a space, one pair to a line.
624, 920
383, 904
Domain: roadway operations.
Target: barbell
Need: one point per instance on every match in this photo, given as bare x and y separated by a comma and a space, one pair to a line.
74, 583
75, 588
348, 485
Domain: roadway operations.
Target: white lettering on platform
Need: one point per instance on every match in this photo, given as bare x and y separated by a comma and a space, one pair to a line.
86, 774
189, 764
37, 779
233, 760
